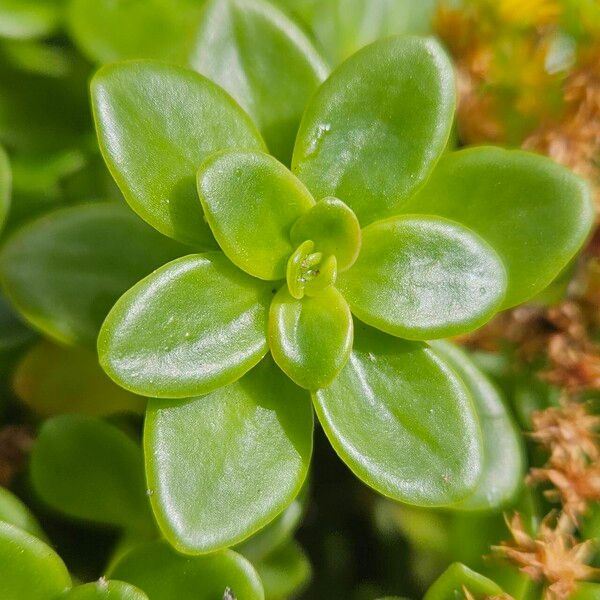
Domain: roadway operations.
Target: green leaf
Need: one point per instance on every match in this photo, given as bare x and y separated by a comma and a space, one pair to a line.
165, 575
423, 278
24, 19
374, 130
310, 339
251, 202
28, 567
14, 333
258, 431
533, 212
504, 457
265, 61
5, 186
153, 149
586, 591
105, 590
194, 325
276, 533
286, 572
452, 581
333, 228
402, 421
14, 512
87, 469
54, 380
107, 31
64, 271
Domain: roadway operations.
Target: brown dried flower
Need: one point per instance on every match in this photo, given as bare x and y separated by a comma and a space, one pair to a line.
553, 557
16, 442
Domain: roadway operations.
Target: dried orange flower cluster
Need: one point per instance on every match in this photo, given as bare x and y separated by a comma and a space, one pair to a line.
553, 557
527, 77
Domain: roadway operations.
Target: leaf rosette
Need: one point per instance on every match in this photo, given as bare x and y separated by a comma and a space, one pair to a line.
328, 277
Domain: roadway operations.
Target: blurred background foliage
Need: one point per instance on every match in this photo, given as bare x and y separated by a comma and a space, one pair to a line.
528, 74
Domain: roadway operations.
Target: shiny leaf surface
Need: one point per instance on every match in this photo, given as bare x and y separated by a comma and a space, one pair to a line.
14, 512
257, 430
156, 123
251, 202
423, 278
374, 130
105, 590
310, 339
402, 421
455, 579
194, 325
533, 212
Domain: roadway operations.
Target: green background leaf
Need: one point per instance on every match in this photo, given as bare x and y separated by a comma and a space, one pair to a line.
224, 465
165, 575
402, 421
87, 469
374, 130
423, 278
15, 512
194, 325
265, 61
533, 212
64, 271
153, 149
251, 202
28, 567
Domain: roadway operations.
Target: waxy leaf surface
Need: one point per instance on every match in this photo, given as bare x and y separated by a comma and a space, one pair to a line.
374, 130
333, 228
222, 466
423, 278
265, 61
105, 590
156, 123
402, 421
166, 575
64, 271
533, 212
504, 460
54, 379
194, 325
29, 568
107, 31
251, 202
88, 469
310, 339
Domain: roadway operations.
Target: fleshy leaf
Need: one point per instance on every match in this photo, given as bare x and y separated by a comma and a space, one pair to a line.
333, 228
310, 339
5, 186
251, 202
156, 123
54, 380
265, 61
455, 579
504, 460
402, 421
374, 130
423, 277
286, 572
257, 430
194, 325
165, 575
26, 19
105, 590
88, 469
13, 511
29, 568
535, 213
64, 271
107, 31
